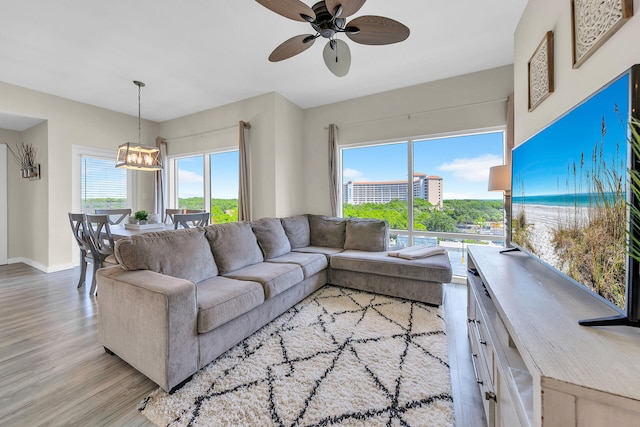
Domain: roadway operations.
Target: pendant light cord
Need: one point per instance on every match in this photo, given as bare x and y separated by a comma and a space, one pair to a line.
139, 125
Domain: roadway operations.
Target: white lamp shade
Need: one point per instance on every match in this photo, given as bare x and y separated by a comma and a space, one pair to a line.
500, 178
338, 60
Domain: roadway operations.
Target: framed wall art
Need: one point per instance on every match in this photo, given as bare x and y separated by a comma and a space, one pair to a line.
593, 22
541, 72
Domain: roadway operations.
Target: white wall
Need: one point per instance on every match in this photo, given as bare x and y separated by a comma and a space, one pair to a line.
274, 140
469, 102
288, 146
38, 222
571, 85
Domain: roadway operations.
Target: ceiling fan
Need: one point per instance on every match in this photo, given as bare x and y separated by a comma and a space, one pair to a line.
328, 18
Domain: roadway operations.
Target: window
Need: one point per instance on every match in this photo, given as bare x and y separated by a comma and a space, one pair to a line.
102, 185
207, 180
225, 171
190, 182
429, 190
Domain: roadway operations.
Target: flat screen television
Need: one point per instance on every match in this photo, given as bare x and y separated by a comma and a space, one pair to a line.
572, 199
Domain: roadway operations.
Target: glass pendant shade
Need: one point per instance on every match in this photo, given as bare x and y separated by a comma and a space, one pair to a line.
138, 157
337, 56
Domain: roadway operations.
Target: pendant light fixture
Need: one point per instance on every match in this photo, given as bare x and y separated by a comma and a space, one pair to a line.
135, 155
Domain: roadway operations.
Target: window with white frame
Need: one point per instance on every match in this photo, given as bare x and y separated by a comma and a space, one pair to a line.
206, 181
99, 184
430, 190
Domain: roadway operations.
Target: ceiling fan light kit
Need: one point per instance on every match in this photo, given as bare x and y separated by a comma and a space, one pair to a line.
328, 19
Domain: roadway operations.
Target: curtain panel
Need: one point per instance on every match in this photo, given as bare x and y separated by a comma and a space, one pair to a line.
244, 182
333, 169
160, 178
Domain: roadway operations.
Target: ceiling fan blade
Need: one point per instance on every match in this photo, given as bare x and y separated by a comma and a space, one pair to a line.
292, 9
292, 47
377, 30
349, 7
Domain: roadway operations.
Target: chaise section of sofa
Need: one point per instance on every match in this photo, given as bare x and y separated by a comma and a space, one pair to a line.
418, 280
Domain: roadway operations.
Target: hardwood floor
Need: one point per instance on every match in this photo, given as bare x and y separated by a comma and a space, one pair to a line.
54, 372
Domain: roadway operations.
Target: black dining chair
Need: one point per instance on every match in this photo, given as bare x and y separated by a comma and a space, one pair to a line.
118, 214
189, 220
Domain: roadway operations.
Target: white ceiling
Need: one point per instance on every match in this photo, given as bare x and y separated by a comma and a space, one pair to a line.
197, 54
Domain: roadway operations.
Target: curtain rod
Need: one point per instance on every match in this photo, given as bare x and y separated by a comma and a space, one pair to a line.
418, 113
247, 125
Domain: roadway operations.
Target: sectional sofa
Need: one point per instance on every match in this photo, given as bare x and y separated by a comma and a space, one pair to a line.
179, 299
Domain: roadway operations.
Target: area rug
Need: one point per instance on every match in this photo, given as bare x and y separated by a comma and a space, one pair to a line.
339, 357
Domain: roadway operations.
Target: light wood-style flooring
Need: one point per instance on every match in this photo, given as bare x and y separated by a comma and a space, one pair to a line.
54, 372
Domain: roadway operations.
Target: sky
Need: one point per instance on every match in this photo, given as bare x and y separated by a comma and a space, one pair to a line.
463, 162
224, 176
540, 164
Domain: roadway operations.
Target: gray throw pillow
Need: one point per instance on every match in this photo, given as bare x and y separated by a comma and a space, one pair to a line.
271, 237
297, 230
367, 235
179, 253
327, 231
234, 246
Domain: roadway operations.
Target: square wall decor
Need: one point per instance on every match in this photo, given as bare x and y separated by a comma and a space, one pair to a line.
593, 22
541, 71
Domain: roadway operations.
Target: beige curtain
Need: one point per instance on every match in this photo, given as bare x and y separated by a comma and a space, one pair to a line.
333, 169
160, 178
244, 188
510, 130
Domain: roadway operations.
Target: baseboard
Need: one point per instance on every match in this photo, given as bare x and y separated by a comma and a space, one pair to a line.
39, 266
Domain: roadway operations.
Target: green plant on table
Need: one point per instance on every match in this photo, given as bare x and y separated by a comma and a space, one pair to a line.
141, 215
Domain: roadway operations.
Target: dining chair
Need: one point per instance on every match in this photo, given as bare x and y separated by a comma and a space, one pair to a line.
98, 226
88, 252
189, 220
123, 213
169, 213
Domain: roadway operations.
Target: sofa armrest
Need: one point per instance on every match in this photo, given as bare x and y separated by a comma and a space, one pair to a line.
149, 320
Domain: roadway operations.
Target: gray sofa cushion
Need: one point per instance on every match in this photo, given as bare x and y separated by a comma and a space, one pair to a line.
221, 299
433, 269
327, 252
327, 231
367, 235
180, 253
271, 237
297, 230
234, 245
309, 262
274, 278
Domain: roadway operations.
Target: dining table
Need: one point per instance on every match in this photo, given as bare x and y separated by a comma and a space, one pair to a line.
121, 231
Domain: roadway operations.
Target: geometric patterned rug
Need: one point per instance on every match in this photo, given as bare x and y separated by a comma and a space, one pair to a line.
341, 357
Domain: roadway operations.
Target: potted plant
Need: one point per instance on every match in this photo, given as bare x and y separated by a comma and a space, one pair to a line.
141, 216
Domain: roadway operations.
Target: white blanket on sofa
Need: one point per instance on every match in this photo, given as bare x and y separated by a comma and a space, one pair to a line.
417, 251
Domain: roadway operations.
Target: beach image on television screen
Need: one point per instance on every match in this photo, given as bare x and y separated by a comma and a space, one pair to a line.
569, 186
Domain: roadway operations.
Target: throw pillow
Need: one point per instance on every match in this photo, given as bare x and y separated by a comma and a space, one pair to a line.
297, 230
271, 237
